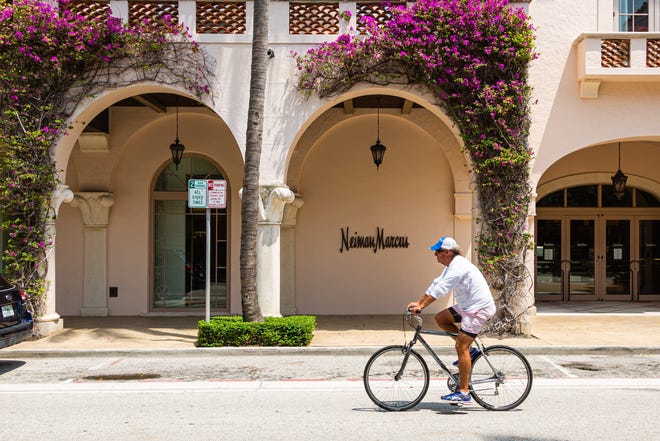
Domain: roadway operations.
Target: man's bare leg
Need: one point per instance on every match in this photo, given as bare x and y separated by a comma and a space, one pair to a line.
445, 321
463, 342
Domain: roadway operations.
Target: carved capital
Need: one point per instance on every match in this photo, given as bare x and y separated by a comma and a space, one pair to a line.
94, 206
59, 195
271, 203
291, 212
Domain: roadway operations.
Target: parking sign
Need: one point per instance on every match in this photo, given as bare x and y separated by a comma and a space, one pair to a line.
197, 193
217, 193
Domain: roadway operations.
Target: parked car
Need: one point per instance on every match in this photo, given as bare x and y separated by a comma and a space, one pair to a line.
15, 320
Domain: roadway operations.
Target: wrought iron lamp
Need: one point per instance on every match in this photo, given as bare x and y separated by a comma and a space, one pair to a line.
378, 149
619, 179
176, 147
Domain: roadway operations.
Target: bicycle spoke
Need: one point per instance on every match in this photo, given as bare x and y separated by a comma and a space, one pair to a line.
507, 386
382, 386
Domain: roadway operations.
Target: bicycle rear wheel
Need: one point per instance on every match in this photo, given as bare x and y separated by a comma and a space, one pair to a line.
506, 384
396, 380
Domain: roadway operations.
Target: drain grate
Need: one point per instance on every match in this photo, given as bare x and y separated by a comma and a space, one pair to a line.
121, 377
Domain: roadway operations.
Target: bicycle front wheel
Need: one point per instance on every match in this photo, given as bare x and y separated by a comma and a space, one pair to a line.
501, 380
396, 379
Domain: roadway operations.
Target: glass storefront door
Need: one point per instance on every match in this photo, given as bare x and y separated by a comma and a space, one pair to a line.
549, 277
592, 244
617, 260
648, 266
582, 257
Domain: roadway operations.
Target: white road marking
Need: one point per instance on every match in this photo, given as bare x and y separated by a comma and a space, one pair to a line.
562, 369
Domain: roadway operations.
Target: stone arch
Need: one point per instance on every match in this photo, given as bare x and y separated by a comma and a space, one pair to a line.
91, 107
434, 121
431, 195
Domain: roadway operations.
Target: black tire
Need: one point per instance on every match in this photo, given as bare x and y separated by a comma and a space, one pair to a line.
506, 388
385, 389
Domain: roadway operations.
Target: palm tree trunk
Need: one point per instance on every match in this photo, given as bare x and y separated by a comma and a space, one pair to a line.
250, 201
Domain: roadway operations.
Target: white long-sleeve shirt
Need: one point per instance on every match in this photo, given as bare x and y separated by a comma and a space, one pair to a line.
471, 290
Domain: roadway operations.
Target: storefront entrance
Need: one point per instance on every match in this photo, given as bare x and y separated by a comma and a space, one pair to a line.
179, 269
593, 246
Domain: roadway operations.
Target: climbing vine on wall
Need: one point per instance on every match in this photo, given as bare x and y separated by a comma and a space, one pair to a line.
51, 61
472, 56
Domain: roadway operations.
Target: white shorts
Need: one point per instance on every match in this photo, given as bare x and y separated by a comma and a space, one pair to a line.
472, 321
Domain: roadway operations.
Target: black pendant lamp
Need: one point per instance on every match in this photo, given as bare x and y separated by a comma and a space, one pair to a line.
176, 147
378, 149
619, 180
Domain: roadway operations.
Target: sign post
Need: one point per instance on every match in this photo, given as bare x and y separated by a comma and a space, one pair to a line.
211, 193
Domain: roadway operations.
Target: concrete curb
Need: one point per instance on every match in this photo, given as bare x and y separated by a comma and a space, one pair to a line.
309, 350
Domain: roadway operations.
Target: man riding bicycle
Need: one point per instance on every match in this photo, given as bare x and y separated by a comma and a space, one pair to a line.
474, 307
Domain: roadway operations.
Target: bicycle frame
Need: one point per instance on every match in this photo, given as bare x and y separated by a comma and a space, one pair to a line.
418, 337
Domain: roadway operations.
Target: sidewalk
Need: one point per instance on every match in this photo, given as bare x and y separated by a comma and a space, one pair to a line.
607, 326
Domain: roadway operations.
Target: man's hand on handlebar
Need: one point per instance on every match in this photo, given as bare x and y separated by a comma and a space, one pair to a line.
414, 307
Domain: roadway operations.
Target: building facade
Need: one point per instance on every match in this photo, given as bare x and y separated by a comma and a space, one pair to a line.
336, 234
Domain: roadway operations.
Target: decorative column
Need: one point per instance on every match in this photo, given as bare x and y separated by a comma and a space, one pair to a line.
271, 209
50, 322
95, 209
463, 222
287, 256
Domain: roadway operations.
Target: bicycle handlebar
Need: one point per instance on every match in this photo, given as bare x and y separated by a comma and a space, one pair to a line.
410, 315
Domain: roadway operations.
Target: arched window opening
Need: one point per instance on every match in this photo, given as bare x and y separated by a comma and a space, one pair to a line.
179, 259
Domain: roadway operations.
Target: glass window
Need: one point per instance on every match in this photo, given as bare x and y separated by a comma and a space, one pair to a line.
649, 256
555, 199
548, 257
180, 243
633, 15
583, 196
611, 200
644, 199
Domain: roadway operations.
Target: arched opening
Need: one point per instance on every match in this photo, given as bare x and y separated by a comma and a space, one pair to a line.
179, 242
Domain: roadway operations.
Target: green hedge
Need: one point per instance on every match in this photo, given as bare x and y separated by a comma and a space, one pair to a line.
273, 331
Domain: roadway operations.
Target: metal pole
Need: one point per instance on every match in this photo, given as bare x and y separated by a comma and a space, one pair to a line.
208, 265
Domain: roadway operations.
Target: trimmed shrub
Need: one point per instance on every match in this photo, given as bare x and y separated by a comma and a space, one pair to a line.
273, 331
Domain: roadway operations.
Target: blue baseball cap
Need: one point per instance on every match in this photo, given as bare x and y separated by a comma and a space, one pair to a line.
445, 243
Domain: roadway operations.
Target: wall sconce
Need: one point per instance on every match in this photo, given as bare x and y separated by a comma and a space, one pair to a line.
177, 148
619, 179
378, 149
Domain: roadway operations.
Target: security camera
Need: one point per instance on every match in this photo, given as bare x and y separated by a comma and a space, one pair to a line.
270, 53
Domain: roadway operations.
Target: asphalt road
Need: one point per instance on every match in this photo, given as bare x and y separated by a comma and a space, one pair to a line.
309, 395
286, 366
556, 410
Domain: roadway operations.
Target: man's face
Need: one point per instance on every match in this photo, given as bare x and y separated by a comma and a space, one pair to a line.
444, 256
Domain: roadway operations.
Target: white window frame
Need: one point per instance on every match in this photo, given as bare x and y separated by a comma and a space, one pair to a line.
654, 16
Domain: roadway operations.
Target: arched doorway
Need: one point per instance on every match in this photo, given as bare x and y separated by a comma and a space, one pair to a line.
179, 242
593, 245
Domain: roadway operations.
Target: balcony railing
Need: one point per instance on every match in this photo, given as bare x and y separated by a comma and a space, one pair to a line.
211, 20
621, 57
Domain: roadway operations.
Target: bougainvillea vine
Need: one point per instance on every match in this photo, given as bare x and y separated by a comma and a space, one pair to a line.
52, 60
472, 56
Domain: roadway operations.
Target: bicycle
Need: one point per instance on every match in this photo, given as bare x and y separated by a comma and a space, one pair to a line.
397, 378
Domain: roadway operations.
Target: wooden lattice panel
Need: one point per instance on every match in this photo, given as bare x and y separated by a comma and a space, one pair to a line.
221, 18
375, 10
313, 18
91, 10
615, 53
141, 11
652, 53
